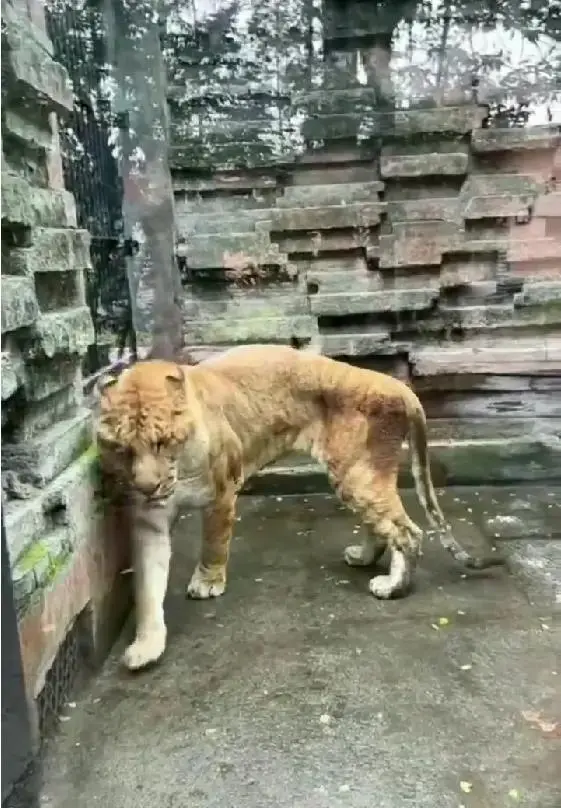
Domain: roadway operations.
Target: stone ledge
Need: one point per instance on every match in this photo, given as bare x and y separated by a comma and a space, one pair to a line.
27, 205
33, 75
468, 462
19, 303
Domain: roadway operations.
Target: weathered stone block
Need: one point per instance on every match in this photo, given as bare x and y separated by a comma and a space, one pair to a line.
39, 461
24, 584
460, 120
435, 164
324, 218
24, 204
355, 344
53, 250
497, 195
11, 375
333, 281
34, 135
264, 329
417, 243
344, 193
538, 294
496, 206
221, 223
19, 304
32, 74
43, 377
234, 251
533, 137
66, 331
445, 209
548, 205
341, 304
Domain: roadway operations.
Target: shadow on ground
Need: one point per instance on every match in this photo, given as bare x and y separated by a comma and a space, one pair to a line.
298, 688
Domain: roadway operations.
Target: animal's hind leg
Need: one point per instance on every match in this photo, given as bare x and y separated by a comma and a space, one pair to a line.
376, 499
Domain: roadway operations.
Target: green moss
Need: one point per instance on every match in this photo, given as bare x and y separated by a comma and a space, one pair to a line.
33, 556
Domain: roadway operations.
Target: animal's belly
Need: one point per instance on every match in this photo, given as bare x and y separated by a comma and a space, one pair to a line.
195, 491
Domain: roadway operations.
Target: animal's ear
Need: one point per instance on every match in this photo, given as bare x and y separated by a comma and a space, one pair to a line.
175, 380
103, 384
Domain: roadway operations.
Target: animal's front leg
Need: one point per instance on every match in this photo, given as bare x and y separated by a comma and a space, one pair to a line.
209, 578
151, 555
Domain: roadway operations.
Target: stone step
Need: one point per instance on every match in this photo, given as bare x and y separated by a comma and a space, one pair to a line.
344, 193
38, 461
19, 302
324, 217
341, 304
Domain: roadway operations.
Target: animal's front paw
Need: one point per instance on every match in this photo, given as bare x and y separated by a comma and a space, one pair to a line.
205, 584
145, 650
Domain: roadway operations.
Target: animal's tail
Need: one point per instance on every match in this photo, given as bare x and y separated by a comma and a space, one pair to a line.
420, 467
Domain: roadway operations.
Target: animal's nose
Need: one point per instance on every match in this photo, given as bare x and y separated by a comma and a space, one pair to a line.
148, 488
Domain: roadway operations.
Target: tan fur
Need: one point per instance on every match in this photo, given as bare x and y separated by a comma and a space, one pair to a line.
204, 430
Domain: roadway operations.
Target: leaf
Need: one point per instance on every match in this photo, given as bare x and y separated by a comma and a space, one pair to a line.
466, 786
537, 719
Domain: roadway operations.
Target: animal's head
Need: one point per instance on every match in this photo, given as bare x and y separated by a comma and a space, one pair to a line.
143, 422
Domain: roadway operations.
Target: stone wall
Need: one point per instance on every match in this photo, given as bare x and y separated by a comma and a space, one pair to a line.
52, 527
409, 230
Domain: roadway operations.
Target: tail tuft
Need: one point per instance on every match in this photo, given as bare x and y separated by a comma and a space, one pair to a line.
420, 467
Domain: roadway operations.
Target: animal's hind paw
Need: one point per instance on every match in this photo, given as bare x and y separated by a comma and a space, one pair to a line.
203, 585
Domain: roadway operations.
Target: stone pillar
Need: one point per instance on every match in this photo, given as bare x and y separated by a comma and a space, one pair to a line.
148, 214
49, 509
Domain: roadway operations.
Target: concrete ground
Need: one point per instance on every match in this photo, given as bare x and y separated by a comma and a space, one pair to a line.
298, 689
